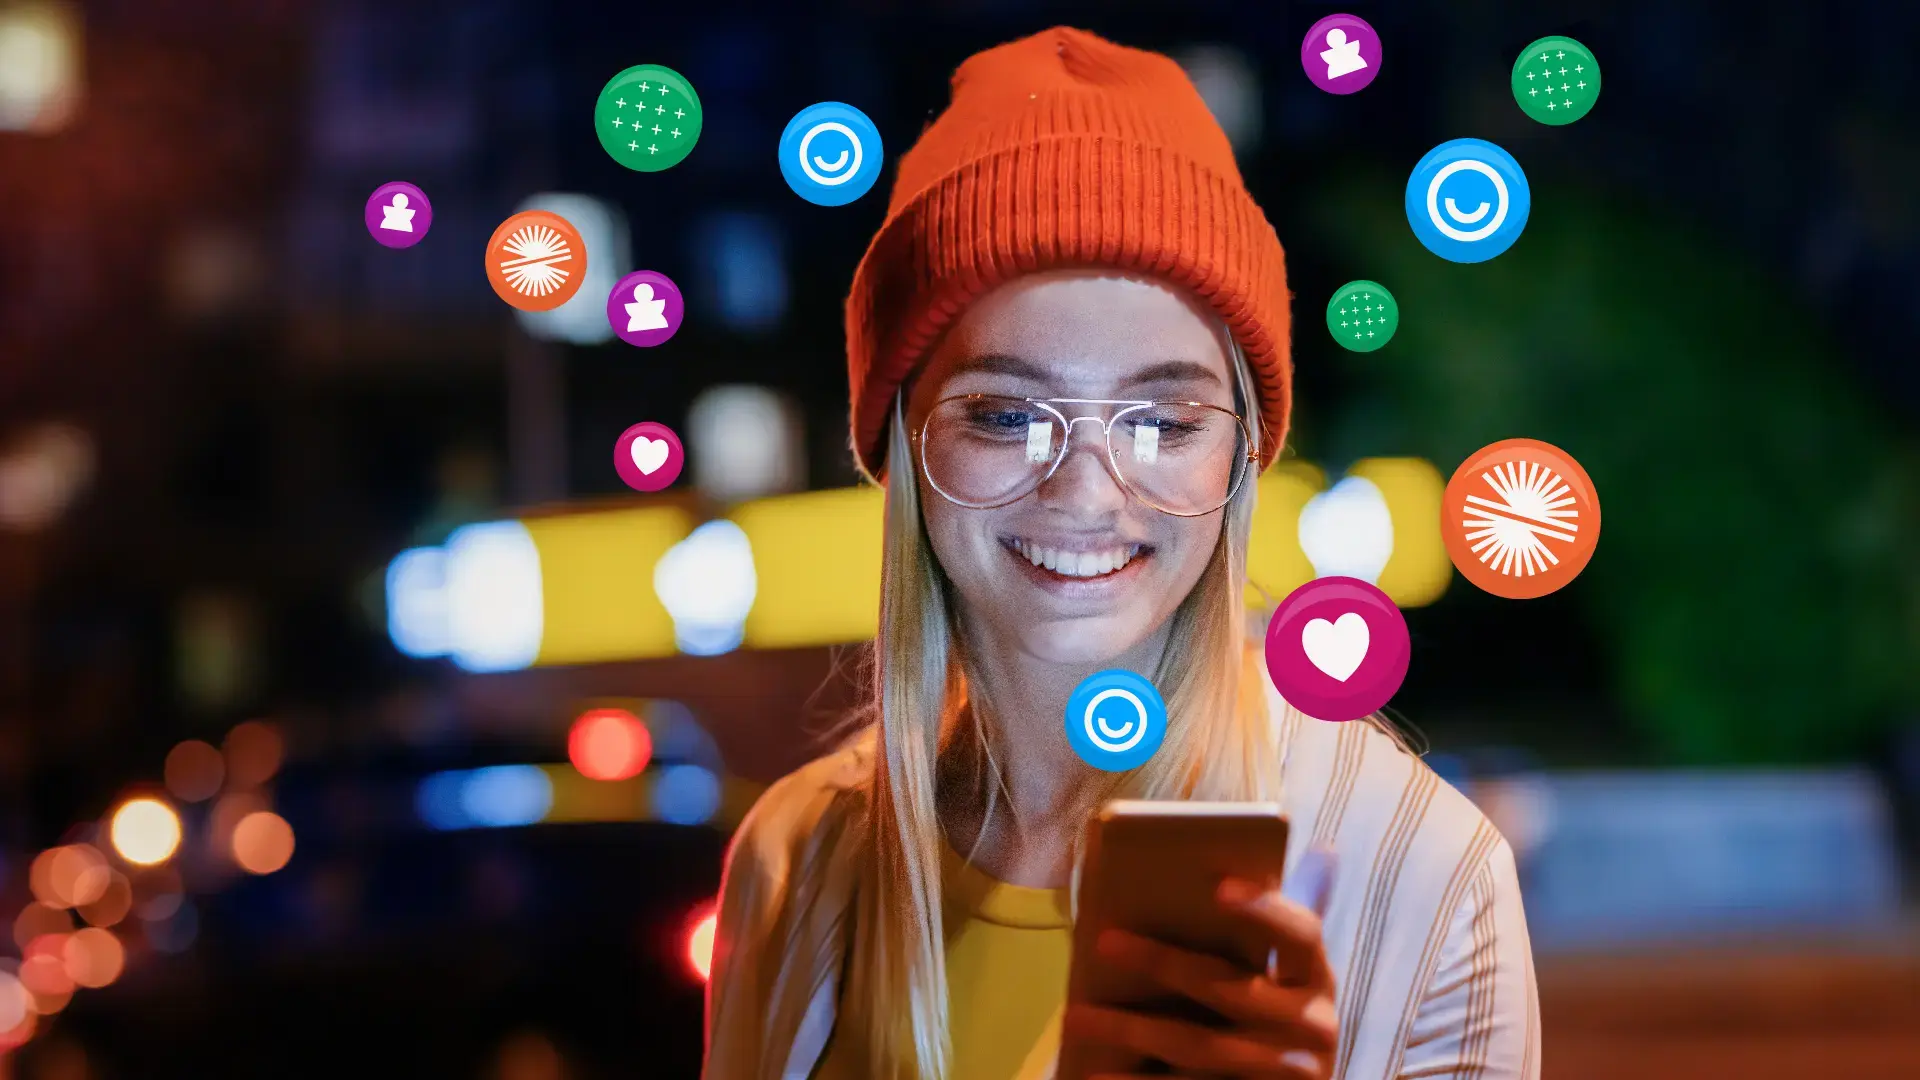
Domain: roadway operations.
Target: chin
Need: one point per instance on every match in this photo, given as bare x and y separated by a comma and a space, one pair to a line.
1085, 642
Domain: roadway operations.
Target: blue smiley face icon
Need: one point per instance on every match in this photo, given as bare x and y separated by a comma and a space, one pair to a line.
830, 154
1467, 200
1115, 720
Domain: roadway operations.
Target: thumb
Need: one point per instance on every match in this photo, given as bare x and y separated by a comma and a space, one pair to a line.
1311, 883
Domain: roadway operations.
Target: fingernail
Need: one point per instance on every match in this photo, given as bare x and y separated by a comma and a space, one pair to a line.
1299, 1059
1311, 883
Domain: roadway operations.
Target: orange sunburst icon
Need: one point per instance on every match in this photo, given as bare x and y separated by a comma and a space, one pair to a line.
536, 260
1520, 518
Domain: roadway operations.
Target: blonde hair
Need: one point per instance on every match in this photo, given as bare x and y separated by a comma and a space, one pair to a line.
1220, 745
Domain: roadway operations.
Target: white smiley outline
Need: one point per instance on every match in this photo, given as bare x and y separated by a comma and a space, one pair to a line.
1433, 202
807, 162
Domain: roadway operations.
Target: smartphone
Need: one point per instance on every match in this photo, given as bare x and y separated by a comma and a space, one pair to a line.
1153, 868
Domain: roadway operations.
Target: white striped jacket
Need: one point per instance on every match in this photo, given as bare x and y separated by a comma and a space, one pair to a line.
1424, 927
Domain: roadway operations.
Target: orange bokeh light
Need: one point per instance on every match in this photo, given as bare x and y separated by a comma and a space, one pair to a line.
609, 744
254, 751
93, 957
113, 904
146, 831
37, 920
700, 944
69, 876
21, 1031
44, 974
262, 842
195, 771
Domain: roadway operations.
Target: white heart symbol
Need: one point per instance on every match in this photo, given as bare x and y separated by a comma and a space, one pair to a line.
648, 454
1337, 647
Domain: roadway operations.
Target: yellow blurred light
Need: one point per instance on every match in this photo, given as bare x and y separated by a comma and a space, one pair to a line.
1275, 563
254, 751
817, 557
38, 920
145, 831
1420, 570
596, 580
529, 1055
195, 771
262, 842
817, 561
40, 77
93, 957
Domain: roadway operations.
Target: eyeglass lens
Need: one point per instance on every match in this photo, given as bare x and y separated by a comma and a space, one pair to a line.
988, 451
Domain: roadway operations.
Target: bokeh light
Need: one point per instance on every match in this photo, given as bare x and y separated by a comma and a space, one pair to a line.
529, 1055
93, 957
44, 973
686, 795
71, 875
145, 831
157, 893
700, 942
38, 920
262, 842
609, 744
226, 816
195, 771
113, 904
14, 1005
254, 751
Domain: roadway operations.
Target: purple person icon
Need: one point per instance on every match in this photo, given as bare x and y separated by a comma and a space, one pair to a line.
1341, 54
398, 214
645, 308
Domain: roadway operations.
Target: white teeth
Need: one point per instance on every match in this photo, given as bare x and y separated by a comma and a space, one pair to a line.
1084, 564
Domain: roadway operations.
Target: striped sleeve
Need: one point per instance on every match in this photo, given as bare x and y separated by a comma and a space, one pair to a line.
1477, 1016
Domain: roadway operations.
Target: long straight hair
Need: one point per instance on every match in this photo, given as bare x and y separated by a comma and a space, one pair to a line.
1220, 745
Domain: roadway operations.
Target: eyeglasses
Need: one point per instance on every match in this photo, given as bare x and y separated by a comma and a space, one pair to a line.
1183, 458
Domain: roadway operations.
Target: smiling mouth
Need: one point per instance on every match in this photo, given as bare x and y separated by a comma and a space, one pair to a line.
1077, 565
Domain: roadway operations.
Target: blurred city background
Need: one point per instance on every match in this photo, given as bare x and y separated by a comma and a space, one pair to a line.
356, 720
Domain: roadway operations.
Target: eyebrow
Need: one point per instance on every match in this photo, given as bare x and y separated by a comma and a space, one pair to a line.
1159, 373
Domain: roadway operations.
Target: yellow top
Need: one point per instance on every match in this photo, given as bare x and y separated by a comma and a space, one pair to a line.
1007, 953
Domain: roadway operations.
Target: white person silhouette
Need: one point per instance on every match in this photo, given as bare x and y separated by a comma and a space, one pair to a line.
397, 215
646, 313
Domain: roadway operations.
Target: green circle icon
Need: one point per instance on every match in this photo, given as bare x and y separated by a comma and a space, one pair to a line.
1362, 315
1556, 80
648, 118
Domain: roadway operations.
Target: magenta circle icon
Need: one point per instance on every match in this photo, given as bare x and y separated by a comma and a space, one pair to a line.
645, 308
1337, 648
398, 214
648, 457
1341, 54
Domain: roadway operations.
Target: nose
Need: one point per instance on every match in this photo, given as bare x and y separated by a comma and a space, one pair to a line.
1084, 485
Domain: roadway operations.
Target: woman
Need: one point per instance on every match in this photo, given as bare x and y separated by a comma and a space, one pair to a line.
1069, 239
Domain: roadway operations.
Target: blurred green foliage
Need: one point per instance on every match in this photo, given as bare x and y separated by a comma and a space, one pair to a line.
1758, 574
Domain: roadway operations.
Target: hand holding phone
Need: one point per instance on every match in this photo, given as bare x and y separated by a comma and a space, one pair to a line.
1187, 956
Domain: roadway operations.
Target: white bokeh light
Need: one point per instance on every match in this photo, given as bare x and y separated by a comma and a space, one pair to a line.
417, 602
494, 603
582, 320
1347, 530
707, 583
745, 442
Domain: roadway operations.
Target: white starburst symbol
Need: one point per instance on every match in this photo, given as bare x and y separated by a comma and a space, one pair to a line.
537, 249
1510, 534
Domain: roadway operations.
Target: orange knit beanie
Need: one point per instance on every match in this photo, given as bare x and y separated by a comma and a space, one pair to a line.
1063, 150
